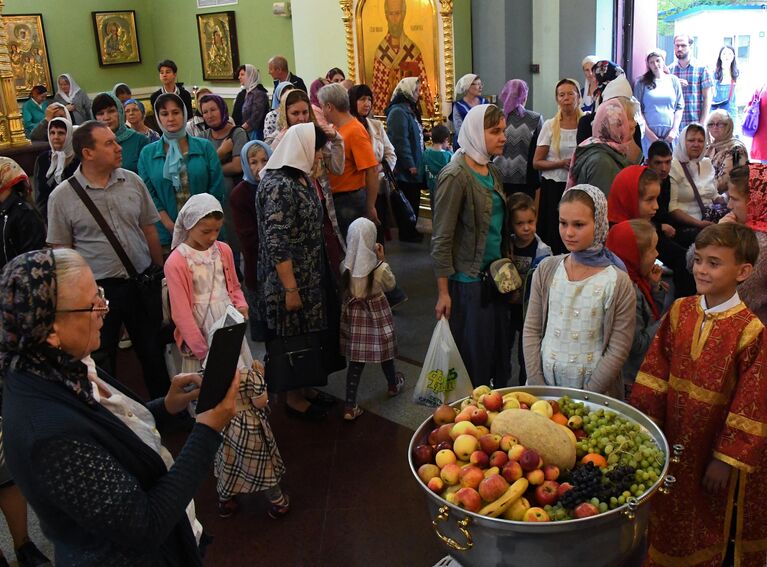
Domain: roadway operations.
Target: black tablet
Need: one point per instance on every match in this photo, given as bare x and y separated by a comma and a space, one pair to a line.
221, 365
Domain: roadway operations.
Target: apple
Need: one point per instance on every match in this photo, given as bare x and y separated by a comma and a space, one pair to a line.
478, 416
464, 415
516, 451
423, 454
575, 422
535, 477
507, 442
443, 445
480, 391
480, 459
450, 497
443, 414
490, 443
427, 472
471, 476
512, 471
467, 402
490, 417
436, 484
443, 433
498, 459
551, 472
543, 408
547, 493
462, 428
444, 457
450, 473
492, 488
530, 460
535, 515
516, 511
564, 487
524, 406
468, 499
554, 406
482, 430
491, 471
492, 401
432, 439
579, 434
586, 509
464, 446
511, 403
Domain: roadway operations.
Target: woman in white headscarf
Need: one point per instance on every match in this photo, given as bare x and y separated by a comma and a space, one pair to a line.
55, 165
471, 231
256, 104
74, 99
468, 94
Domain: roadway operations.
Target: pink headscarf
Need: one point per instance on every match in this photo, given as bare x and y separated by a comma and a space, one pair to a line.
513, 96
611, 127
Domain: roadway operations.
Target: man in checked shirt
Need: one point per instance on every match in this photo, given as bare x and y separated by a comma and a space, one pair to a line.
697, 85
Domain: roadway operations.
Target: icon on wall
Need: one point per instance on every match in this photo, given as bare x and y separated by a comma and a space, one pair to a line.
28, 53
116, 37
218, 46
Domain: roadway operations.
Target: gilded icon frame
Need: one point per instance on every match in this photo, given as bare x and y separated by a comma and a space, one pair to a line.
224, 24
25, 33
116, 35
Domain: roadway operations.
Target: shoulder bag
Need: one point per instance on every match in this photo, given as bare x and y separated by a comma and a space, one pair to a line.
751, 119
401, 207
713, 212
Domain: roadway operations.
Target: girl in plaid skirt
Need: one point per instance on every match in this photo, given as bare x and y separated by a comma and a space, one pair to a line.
202, 284
367, 325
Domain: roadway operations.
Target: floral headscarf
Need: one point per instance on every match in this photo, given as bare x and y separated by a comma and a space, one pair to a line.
513, 96
611, 127
728, 147
622, 240
407, 87
197, 207
623, 200
28, 310
756, 216
604, 72
597, 255
10, 173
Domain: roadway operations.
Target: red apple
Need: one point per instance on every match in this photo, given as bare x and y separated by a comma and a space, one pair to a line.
436, 484
507, 442
554, 406
512, 471
443, 445
493, 487
524, 406
480, 459
535, 477
551, 472
530, 460
427, 472
490, 443
547, 493
493, 401
564, 487
478, 416
471, 476
443, 414
423, 454
515, 453
535, 515
463, 415
498, 459
432, 439
468, 499
450, 473
586, 509
579, 434
443, 433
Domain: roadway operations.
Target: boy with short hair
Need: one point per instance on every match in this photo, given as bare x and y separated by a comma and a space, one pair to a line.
167, 70
528, 251
434, 158
704, 380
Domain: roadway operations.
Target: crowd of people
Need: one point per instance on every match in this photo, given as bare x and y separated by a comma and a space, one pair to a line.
634, 218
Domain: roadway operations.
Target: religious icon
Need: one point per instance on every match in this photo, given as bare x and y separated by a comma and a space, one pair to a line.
116, 37
218, 46
28, 53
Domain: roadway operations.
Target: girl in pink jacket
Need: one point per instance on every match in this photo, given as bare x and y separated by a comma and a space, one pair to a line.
202, 284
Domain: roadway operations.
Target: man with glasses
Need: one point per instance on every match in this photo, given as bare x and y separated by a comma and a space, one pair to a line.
697, 85
124, 202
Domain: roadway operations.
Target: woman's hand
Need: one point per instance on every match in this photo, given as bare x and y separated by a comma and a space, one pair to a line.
373, 216
243, 311
226, 146
651, 135
444, 303
413, 170
704, 223
177, 399
380, 252
330, 131
672, 135
71, 107
564, 164
168, 224
293, 301
220, 416
655, 275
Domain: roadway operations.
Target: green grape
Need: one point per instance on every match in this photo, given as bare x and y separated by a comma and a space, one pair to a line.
603, 507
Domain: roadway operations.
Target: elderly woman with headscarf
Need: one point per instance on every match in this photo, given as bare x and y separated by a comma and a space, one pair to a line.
472, 230
74, 99
724, 150
109, 110
290, 292
403, 122
467, 94
271, 127
590, 83
195, 126
660, 96
178, 165
256, 104
134, 117
72, 434
522, 129
54, 165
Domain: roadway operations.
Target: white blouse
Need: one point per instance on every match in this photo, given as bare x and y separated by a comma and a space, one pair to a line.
567, 144
682, 193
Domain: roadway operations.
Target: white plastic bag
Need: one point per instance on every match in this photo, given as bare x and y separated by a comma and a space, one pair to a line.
443, 378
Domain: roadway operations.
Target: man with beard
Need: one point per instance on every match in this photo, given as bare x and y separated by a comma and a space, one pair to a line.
696, 82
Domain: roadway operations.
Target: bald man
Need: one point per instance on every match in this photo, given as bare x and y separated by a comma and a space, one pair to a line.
278, 69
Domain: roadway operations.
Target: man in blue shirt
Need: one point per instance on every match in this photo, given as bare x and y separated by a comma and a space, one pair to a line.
697, 85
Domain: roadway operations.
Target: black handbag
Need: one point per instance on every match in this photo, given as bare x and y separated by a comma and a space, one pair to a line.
295, 362
401, 207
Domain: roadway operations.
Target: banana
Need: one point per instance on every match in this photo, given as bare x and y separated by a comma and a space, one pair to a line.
525, 398
495, 509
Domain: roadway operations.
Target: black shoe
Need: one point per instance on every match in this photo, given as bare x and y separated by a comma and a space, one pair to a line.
322, 400
29, 556
312, 413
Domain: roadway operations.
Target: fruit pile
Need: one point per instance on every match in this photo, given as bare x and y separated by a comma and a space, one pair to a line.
524, 459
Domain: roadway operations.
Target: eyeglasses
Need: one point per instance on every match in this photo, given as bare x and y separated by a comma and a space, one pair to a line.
103, 308
717, 124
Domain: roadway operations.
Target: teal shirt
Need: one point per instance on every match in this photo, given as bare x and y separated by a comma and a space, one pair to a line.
493, 241
203, 170
32, 115
431, 164
132, 147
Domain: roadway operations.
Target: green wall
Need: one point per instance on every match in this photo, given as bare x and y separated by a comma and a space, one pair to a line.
462, 37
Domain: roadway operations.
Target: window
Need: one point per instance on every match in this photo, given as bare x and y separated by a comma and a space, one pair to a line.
727, 40
744, 47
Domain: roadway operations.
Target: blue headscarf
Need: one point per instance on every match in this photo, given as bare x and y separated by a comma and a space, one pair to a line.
247, 175
278, 93
171, 169
597, 255
138, 103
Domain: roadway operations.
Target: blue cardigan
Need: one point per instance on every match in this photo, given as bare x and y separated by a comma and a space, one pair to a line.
203, 169
405, 135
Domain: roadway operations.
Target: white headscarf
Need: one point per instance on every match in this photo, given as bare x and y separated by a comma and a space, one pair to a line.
74, 88
197, 207
463, 84
471, 137
60, 157
407, 87
67, 114
295, 150
361, 257
619, 86
252, 77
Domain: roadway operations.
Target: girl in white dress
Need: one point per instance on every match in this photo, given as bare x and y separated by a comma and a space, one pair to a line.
202, 284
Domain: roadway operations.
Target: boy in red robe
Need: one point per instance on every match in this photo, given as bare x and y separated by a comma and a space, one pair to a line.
704, 380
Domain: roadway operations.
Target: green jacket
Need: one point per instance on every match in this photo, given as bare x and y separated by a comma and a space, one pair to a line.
597, 164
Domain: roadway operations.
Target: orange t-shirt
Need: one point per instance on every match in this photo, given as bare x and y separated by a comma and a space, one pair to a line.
358, 156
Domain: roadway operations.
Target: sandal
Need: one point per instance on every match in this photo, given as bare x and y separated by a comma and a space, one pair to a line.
399, 385
277, 511
312, 413
227, 508
352, 413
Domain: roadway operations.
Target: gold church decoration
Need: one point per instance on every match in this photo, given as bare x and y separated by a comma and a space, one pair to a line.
11, 124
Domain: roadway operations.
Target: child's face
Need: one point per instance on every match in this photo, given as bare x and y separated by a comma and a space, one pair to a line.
717, 273
648, 258
648, 203
576, 225
523, 225
737, 203
204, 234
256, 162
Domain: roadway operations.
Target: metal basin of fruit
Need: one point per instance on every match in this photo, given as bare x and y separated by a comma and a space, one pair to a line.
608, 539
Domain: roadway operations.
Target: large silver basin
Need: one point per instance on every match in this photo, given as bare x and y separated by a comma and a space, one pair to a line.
611, 539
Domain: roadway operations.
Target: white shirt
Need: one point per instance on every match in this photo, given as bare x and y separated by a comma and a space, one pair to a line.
734, 301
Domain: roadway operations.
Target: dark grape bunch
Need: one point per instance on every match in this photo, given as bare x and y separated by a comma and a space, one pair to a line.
587, 484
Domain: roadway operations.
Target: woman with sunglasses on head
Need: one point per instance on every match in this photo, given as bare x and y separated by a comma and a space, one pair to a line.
724, 149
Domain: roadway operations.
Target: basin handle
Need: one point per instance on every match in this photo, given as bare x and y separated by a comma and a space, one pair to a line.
631, 508
668, 484
463, 525
677, 449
